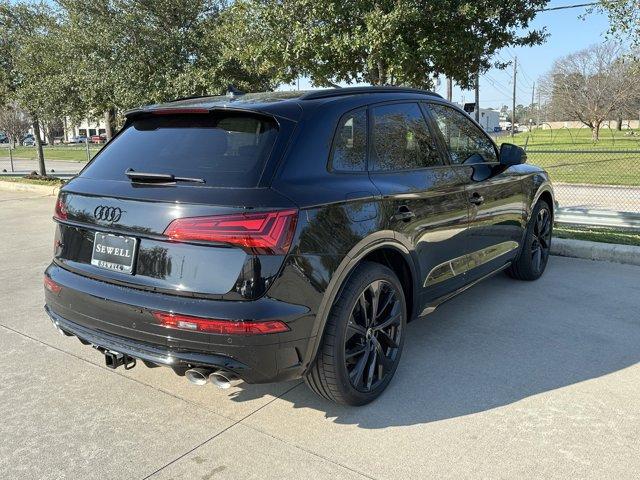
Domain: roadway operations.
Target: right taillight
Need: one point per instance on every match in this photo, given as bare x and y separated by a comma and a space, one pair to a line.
268, 233
60, 211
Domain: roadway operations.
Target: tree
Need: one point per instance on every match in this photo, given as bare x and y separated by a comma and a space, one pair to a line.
14, 122
591, 85
131, 53
402, 42
34, 68
624, 18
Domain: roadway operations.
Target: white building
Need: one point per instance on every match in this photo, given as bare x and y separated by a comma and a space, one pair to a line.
489, 119
86, 127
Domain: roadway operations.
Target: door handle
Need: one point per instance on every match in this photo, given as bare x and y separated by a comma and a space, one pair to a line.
476, 199
403, 214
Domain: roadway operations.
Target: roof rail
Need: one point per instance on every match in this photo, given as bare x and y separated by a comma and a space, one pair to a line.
337, 92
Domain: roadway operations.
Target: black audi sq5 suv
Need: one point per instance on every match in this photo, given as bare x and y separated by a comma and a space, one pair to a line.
273, 236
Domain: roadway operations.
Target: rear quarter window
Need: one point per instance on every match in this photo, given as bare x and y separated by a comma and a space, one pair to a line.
224, 150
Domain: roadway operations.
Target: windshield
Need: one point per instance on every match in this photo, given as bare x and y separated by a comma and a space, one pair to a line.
226, 150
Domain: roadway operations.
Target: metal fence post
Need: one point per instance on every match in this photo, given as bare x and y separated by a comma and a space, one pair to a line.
86, 142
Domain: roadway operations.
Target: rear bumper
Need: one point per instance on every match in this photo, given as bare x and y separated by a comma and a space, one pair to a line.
118, 319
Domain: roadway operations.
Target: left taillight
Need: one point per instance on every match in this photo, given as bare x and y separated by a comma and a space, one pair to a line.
224, 327
60, 211
52, 286
269, 233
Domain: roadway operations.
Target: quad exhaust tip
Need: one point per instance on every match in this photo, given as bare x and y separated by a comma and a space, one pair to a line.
220, 378
197, 376
224, 380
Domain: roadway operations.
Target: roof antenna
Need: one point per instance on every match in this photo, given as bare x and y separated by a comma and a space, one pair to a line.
233, 91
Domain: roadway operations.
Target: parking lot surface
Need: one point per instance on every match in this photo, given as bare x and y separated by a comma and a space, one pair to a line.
508, 380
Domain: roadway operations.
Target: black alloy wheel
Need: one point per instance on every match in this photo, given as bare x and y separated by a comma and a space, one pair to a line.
373, 332
541, 241
363, 338
534, 253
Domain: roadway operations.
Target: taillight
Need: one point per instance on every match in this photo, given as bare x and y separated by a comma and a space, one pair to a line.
224, 327
61, 210
265, 233
52, 286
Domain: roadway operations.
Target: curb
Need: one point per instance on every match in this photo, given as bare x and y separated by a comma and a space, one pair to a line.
26, 187
607, 252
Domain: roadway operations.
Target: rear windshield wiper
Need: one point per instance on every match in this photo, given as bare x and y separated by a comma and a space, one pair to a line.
150, 177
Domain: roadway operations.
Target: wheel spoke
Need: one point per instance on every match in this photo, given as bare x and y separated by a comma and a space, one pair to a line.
384, 361
385, 338
372, 367
387, 301
355, 329
392, 320
374, 288
358, 370
354, 353
363, 308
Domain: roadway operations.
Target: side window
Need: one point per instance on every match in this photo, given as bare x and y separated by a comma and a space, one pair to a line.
350, 143
462, 137
401, 138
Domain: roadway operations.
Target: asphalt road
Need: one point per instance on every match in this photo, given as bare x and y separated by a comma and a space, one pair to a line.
24, 166
508, 380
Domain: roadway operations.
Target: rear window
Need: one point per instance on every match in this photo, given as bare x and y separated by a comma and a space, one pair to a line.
224, 150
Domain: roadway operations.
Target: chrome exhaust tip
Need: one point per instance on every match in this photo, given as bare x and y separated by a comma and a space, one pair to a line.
224, 380
197, 376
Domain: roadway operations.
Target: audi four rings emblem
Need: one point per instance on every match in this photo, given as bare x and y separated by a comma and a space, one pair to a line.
108, 214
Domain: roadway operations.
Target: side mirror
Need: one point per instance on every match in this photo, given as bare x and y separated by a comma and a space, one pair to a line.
511, 154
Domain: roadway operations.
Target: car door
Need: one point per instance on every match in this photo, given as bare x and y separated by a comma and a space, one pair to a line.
423, 199
494, 193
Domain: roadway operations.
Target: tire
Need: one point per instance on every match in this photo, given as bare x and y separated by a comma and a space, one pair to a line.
534, 254
339, 372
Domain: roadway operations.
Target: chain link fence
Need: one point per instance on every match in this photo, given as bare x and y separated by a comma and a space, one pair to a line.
594, 179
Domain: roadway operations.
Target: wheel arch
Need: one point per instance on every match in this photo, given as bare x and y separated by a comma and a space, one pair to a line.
384, 250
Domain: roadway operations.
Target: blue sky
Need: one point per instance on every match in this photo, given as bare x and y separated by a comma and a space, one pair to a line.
568, 33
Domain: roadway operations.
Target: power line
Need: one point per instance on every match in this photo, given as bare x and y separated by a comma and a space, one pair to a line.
565, 7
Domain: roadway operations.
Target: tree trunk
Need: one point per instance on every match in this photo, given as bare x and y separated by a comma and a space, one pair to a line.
36, 134
619, 124
595, 131
108, 122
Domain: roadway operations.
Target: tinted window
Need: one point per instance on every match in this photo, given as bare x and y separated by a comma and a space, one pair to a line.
401, 139
350, 142
463, 138
226, 151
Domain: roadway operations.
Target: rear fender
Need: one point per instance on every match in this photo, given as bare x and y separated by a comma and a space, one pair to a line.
382, 239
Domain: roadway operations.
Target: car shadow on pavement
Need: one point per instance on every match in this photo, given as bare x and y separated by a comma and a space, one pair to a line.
497, 343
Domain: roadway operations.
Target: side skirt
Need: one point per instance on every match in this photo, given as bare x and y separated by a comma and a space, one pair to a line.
441, 300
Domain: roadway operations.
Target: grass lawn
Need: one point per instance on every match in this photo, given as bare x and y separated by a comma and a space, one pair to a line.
596, 234
588, 162
34, 181
71, 153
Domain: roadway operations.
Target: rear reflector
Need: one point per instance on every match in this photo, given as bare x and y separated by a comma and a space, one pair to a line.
267, 233
52, 286
224, 327
61, 210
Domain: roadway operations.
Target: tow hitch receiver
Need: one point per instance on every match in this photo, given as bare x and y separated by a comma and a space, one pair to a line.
115, 359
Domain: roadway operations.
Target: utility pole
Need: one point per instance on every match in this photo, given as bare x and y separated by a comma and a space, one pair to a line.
533, 93
478, 96
539, 107
449, 88
513, 104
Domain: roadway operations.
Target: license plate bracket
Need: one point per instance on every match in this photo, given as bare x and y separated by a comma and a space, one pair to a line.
114, 252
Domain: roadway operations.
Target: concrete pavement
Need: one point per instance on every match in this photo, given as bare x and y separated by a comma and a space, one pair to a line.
508, 380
